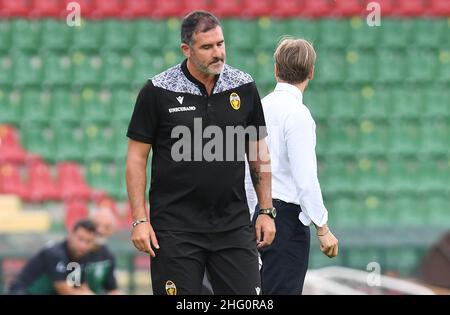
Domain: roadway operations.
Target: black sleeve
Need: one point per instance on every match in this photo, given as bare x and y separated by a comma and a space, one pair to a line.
256, 117
144, 121
55, 265
110, 281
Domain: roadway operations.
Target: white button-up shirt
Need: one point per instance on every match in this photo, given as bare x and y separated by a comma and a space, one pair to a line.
291, 142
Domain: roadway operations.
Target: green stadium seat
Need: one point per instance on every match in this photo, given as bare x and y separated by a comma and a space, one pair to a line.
345, 104
342, 138
362, 35
120, 141
117, 69
403, 176
66, 106
96, 105
118, 35
10, 106
102, 176
372, 176
443, 73
241, 34
269, 33
373, 138
302, 28
390, 66
396, 33
149, 34
30, 33
334, 33
408, 210
338, 176
377, 215
428, 32
435, 101
406, 103
5, 35
434, 175
6, 67
56, 35
57, 69
361, 66
435, 137
438, 209
39, 140
28, 69
330, 67
402, 260
88, 37
69, 142
421, 65
171, 39
246, 61
318, 103
87, 69
404, 138
123, 101
146, 66
36, 106
376, 103
346, 212
99, 144
359, 258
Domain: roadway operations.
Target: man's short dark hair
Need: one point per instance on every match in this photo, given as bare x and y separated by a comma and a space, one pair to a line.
197, 21
86, 224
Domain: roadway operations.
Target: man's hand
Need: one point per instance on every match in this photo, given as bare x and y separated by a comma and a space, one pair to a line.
265, 227
328, 242
141, 236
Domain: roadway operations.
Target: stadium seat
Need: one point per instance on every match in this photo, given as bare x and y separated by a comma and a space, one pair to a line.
10, 107
39, 140
403, 138
253, 9
421, 65
30, 32
118, 35
347, 212
338, 176
318, 102
303, 28
362, 35
334, 33
396, 33
40, 184
57, 70
435, 138
46, 9
74, 211
137, 9
443, 73
348, 8
240, 34
406, 103
11, 9
269, 32
5, 35
376, 103
96, 106
373, 138
69, 143
86, 6
66, 106
330, 67
439, 8
191, 5
360, 257
437, 209
372, 175
146, 66
224, 9
403, 176
342, 138
403, 260
429, 32
28, 69
316, 8
361, 66
36, 106
107, 9
286, 8
87, 69
123, 103
149, 34
167, 8
435, 102
88, 36
117, 69
376, 213
99, 144
71, 182
345, 104
11, 181
434, 176
6, 67
11, 150
390, 66
408, 210
409, 8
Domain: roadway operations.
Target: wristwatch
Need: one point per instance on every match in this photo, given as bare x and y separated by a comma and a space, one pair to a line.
138, 222
271, 212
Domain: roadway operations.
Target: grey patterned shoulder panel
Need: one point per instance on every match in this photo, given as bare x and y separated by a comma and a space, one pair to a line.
231, 78
173, 79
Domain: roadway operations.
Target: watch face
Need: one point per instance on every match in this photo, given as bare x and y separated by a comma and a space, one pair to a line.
274, 212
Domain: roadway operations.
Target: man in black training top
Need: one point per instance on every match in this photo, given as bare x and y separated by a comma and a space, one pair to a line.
59, 268
199, 218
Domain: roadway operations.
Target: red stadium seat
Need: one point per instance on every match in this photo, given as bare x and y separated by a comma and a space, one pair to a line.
167, 8
108, 203
75, 210
229, 8
41, 186
348, 8
47, 8
286, 8
191, 5
438, 8
11, 181
137, 8
316, 8
72, 183
253, 8
107, 9
14, 8
386, 6
11, 150
86, 7
409, 8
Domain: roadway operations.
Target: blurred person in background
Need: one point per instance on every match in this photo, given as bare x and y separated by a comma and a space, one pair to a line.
101, 263
296, 191
59, 267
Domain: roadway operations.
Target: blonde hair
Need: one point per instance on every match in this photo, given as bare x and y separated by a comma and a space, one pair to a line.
295, 59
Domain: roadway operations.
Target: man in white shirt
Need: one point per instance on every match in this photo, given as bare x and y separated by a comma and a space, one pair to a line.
296, 191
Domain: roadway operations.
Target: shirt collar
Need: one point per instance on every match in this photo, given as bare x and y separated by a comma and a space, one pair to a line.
191, 78
289, 88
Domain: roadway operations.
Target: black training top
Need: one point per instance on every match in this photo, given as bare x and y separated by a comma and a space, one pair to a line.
197, 192
100, 269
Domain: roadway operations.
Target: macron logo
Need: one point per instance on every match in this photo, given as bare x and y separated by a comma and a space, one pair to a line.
180, 99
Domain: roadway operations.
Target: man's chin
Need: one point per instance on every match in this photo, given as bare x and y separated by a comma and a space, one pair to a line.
216, 69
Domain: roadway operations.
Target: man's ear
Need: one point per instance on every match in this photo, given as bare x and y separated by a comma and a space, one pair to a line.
275, 71
311, 74
186, 50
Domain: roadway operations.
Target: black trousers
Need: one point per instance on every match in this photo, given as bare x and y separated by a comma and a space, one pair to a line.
285, 261
230, 258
